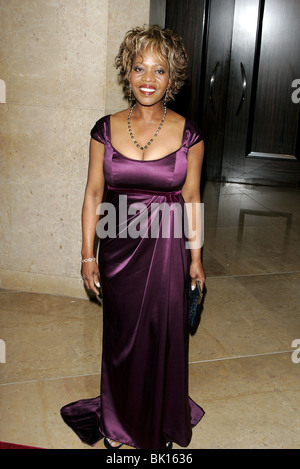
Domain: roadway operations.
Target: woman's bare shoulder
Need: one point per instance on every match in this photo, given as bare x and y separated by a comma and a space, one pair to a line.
120, 116
175, 119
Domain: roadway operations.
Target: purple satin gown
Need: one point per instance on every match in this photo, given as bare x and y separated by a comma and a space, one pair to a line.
144, 399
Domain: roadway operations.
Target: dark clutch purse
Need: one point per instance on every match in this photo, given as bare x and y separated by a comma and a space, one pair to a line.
195, 303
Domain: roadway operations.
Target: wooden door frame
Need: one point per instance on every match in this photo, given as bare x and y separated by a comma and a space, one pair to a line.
158, 12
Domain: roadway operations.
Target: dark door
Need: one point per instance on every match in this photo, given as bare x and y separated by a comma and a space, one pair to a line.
245, 63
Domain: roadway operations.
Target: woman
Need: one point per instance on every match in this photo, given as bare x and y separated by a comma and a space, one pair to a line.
151, 156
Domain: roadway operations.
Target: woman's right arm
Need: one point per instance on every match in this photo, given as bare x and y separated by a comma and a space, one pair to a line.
92, 198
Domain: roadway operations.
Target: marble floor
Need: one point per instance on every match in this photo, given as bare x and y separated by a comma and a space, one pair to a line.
242, 369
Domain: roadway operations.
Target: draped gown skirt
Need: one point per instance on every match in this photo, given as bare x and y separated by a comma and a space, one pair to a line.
144, 272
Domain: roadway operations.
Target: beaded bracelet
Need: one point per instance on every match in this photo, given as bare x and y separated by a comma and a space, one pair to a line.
90, 259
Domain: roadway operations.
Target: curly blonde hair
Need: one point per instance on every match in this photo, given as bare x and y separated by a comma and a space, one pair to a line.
165, 43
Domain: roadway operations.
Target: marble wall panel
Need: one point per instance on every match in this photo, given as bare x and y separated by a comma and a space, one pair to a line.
45, 186
56, 60
53, 52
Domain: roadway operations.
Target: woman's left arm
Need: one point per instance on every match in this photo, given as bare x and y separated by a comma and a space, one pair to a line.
191, 196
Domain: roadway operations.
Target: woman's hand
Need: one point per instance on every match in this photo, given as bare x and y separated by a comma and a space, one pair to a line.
90, 276
197, 273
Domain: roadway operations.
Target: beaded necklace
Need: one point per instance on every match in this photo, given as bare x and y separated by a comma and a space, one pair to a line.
151, 139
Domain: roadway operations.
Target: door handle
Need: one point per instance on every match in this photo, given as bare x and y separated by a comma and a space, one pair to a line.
211, 86
244, 88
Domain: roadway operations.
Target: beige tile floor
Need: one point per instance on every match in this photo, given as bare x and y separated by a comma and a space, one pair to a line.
241, 368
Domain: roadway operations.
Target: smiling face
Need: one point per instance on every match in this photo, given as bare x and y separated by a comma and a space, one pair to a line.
149, 78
